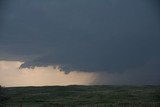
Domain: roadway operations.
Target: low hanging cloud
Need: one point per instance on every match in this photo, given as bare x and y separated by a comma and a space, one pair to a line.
12, 76
81, 35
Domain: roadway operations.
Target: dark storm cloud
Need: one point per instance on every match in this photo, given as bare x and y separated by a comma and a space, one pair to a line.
82, 35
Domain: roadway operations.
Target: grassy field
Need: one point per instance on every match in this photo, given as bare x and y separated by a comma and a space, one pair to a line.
81, 96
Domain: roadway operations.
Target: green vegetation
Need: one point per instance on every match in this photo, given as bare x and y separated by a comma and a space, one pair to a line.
83, 96
3, 97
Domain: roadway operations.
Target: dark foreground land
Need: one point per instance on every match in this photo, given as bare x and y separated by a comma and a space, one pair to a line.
81, 96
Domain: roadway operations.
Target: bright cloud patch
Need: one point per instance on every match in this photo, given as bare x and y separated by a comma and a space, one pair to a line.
11, 75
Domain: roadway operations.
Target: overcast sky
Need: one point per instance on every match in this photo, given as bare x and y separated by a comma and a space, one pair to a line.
117, 40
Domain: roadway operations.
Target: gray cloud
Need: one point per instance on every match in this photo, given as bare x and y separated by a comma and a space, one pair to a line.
81, 35
144, 75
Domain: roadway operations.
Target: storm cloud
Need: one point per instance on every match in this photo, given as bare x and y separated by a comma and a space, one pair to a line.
82, 35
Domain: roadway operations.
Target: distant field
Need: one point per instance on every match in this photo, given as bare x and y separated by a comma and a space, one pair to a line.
82, 96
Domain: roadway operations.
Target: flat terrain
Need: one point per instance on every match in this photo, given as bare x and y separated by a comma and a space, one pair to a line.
82, 96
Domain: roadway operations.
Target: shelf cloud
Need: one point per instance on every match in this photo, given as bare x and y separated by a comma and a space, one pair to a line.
82, 35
